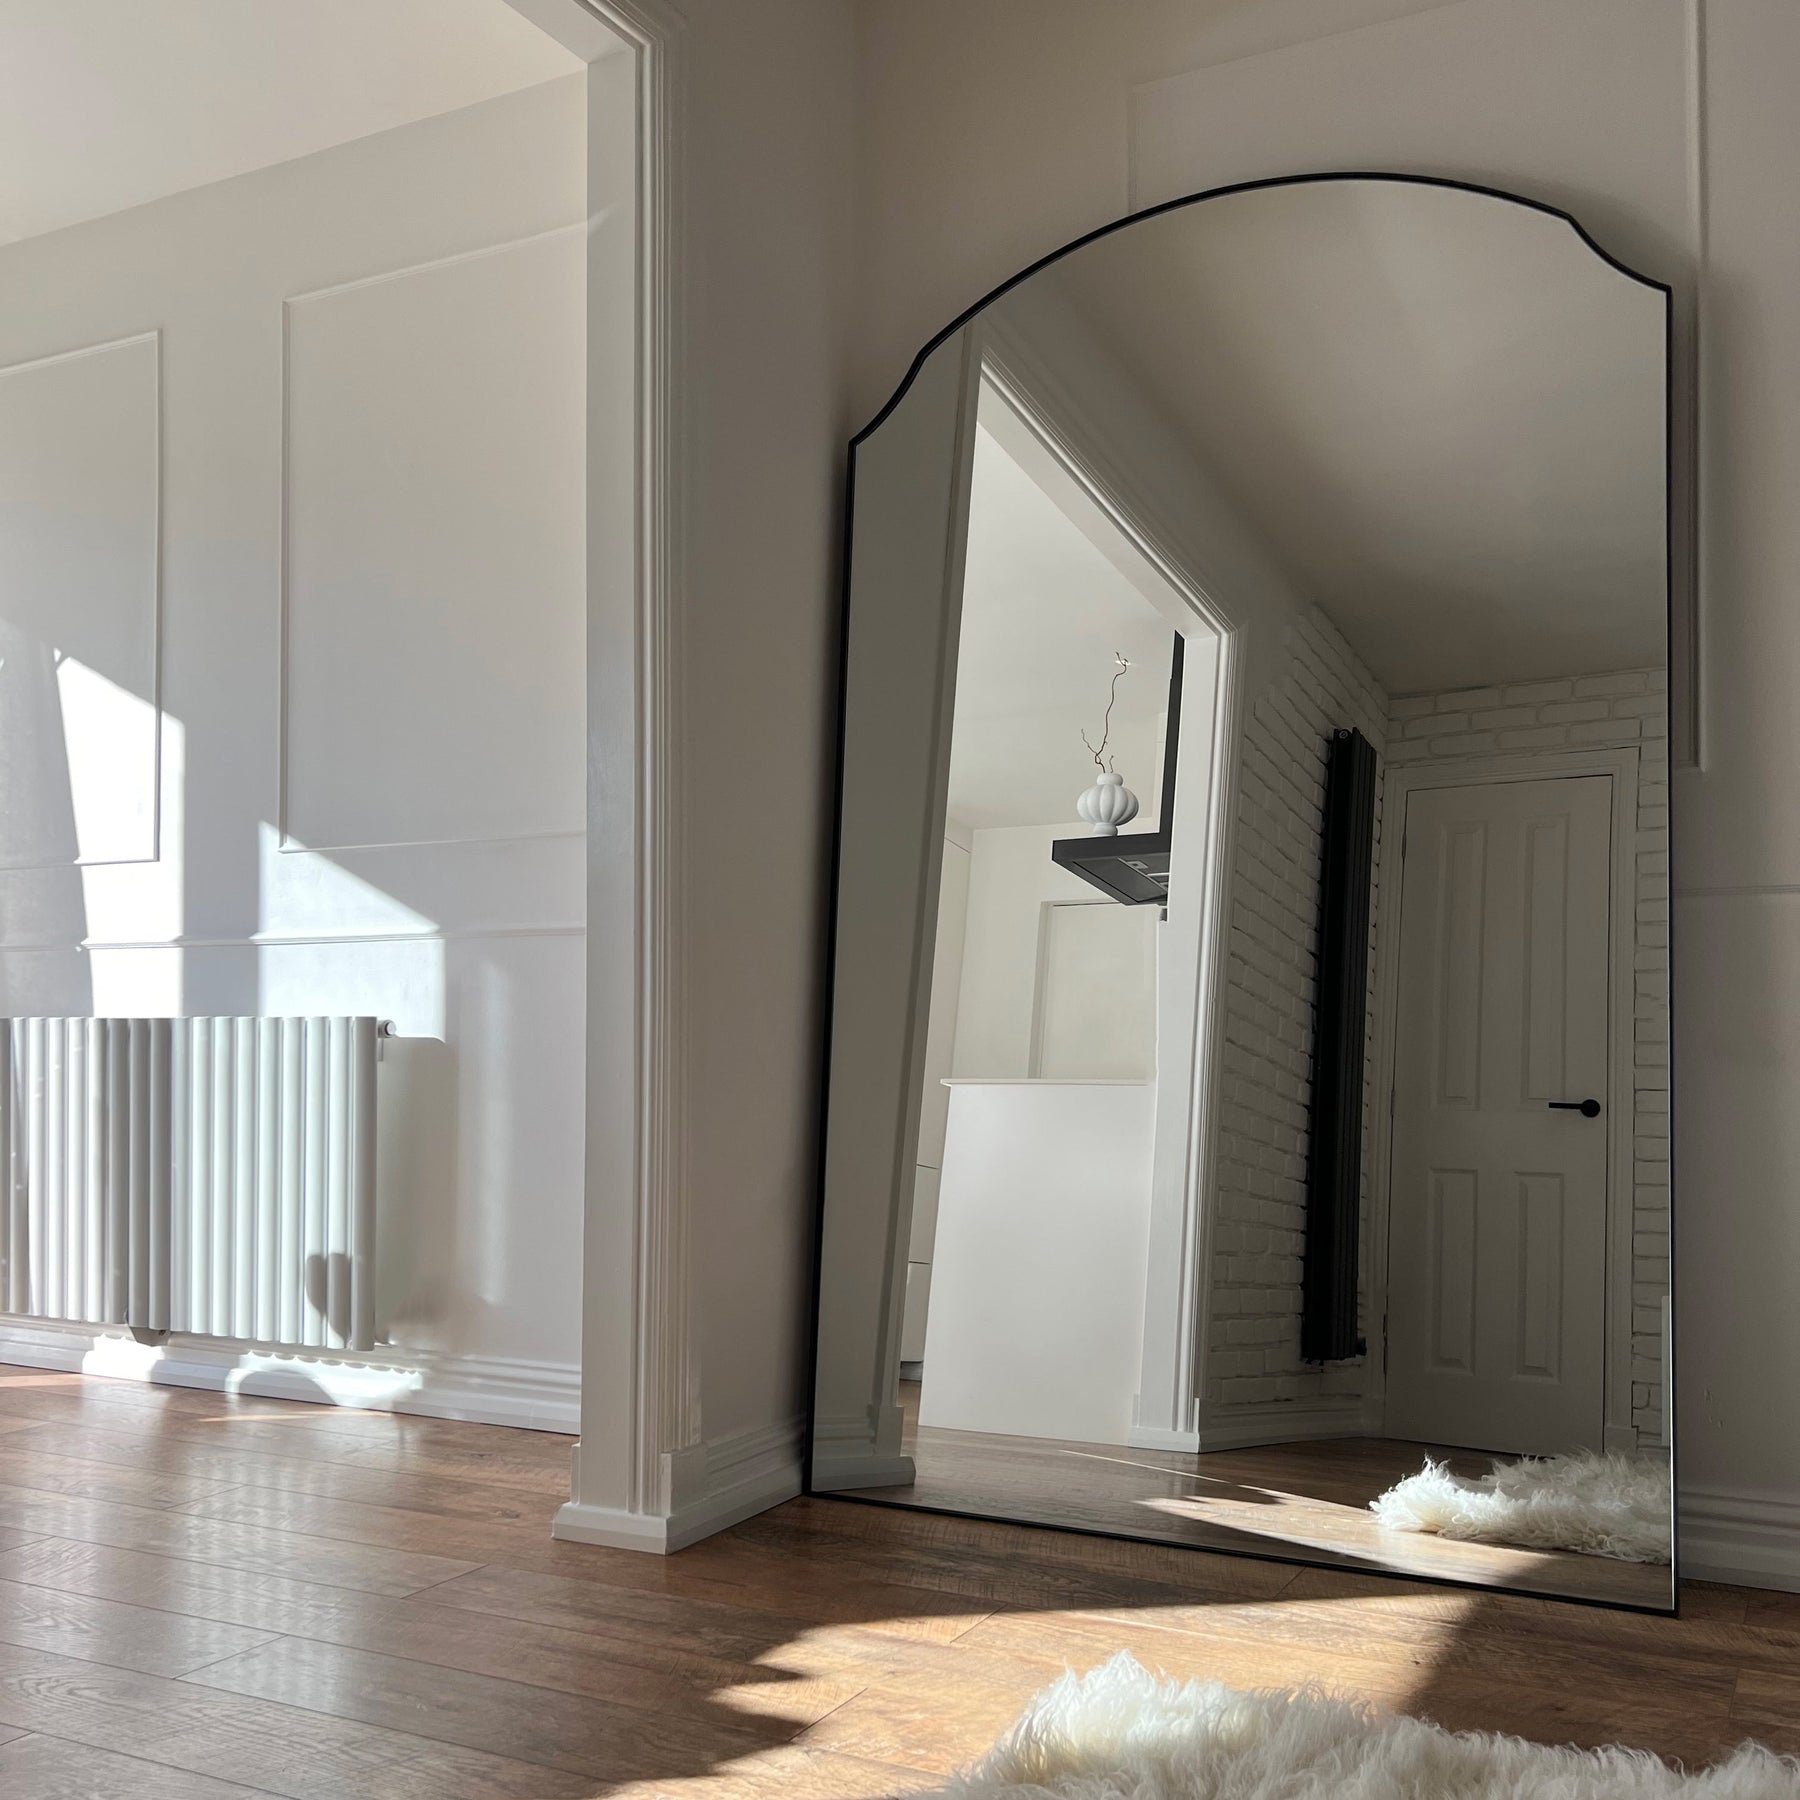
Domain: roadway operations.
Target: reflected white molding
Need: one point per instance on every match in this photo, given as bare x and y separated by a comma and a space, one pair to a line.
1178, 1295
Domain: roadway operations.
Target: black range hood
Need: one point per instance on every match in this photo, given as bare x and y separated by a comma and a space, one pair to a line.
1133, 867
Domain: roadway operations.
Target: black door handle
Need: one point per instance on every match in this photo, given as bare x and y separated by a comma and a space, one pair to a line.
1589, 1109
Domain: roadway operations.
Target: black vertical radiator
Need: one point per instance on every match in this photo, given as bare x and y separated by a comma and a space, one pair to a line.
1328, 1321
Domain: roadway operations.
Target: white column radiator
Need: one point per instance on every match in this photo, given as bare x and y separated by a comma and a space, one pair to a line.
212, 1176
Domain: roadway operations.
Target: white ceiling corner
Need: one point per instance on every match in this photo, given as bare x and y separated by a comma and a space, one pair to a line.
110, 104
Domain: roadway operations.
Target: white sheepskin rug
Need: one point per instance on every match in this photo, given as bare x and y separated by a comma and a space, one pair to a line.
1607, 1505
1120, 1733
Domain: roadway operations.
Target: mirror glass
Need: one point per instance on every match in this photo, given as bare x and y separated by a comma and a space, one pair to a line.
1246, 1115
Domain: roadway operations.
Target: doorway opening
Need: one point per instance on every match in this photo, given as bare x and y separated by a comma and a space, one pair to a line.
1066, 1047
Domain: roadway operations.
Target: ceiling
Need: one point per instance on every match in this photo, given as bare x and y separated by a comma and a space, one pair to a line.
1440, 413
107, 104
1043, 612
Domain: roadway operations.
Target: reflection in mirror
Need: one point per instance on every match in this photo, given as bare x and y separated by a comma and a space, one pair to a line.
1247, 1093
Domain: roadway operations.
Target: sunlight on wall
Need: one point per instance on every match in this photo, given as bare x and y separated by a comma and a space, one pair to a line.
109, 737
330, 942
135, 910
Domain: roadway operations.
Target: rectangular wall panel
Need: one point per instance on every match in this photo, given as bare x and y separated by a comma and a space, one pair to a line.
79, 478
433, 680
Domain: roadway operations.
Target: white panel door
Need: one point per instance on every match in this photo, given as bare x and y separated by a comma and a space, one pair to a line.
1497, 1211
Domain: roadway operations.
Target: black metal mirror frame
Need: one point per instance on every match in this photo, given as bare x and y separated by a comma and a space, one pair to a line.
966, 317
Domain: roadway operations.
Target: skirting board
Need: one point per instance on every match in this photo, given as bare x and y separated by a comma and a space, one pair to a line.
485, 1390
746, 1473
1749, 1540
1245, 1427
1160, 1437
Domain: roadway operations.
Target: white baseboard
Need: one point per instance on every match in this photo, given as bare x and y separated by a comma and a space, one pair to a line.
832, 1474
1161, 1437
486, 1390
1281, 1422
1749, 1540
746, 1473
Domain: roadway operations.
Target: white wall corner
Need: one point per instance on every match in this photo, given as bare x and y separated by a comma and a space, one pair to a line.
1749, 1540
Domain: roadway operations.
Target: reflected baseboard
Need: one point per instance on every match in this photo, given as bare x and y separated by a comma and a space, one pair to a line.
1749, 1540
1161, 1437
835, 1474
1282, 1422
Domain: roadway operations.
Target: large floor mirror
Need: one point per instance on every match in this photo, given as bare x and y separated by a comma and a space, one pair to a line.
1246, 1120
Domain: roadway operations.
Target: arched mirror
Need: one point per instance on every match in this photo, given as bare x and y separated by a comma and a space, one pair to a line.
1247, 1091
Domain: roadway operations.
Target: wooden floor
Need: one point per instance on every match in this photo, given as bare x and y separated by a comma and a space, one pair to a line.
1305, 1500
202, 1599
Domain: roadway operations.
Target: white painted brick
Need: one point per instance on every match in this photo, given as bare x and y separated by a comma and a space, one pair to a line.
1537, 737
1565, 712
1268, 1025
1603, 731
1536, 693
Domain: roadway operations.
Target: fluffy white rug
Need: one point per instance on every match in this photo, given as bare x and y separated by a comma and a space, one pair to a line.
1120, 1733
1607, 1505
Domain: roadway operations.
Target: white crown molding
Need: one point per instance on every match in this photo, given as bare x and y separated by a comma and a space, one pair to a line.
487, 1390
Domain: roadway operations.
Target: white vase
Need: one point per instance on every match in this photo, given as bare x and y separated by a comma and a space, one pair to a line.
1107, 805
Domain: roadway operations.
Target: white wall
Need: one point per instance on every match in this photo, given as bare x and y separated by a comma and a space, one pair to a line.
350, 389
1259, 1197
768, 102
1039, 127
1011, 877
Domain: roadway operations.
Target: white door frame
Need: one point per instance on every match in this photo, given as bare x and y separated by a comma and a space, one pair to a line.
1482, 771
640, 1459
1177, 1300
